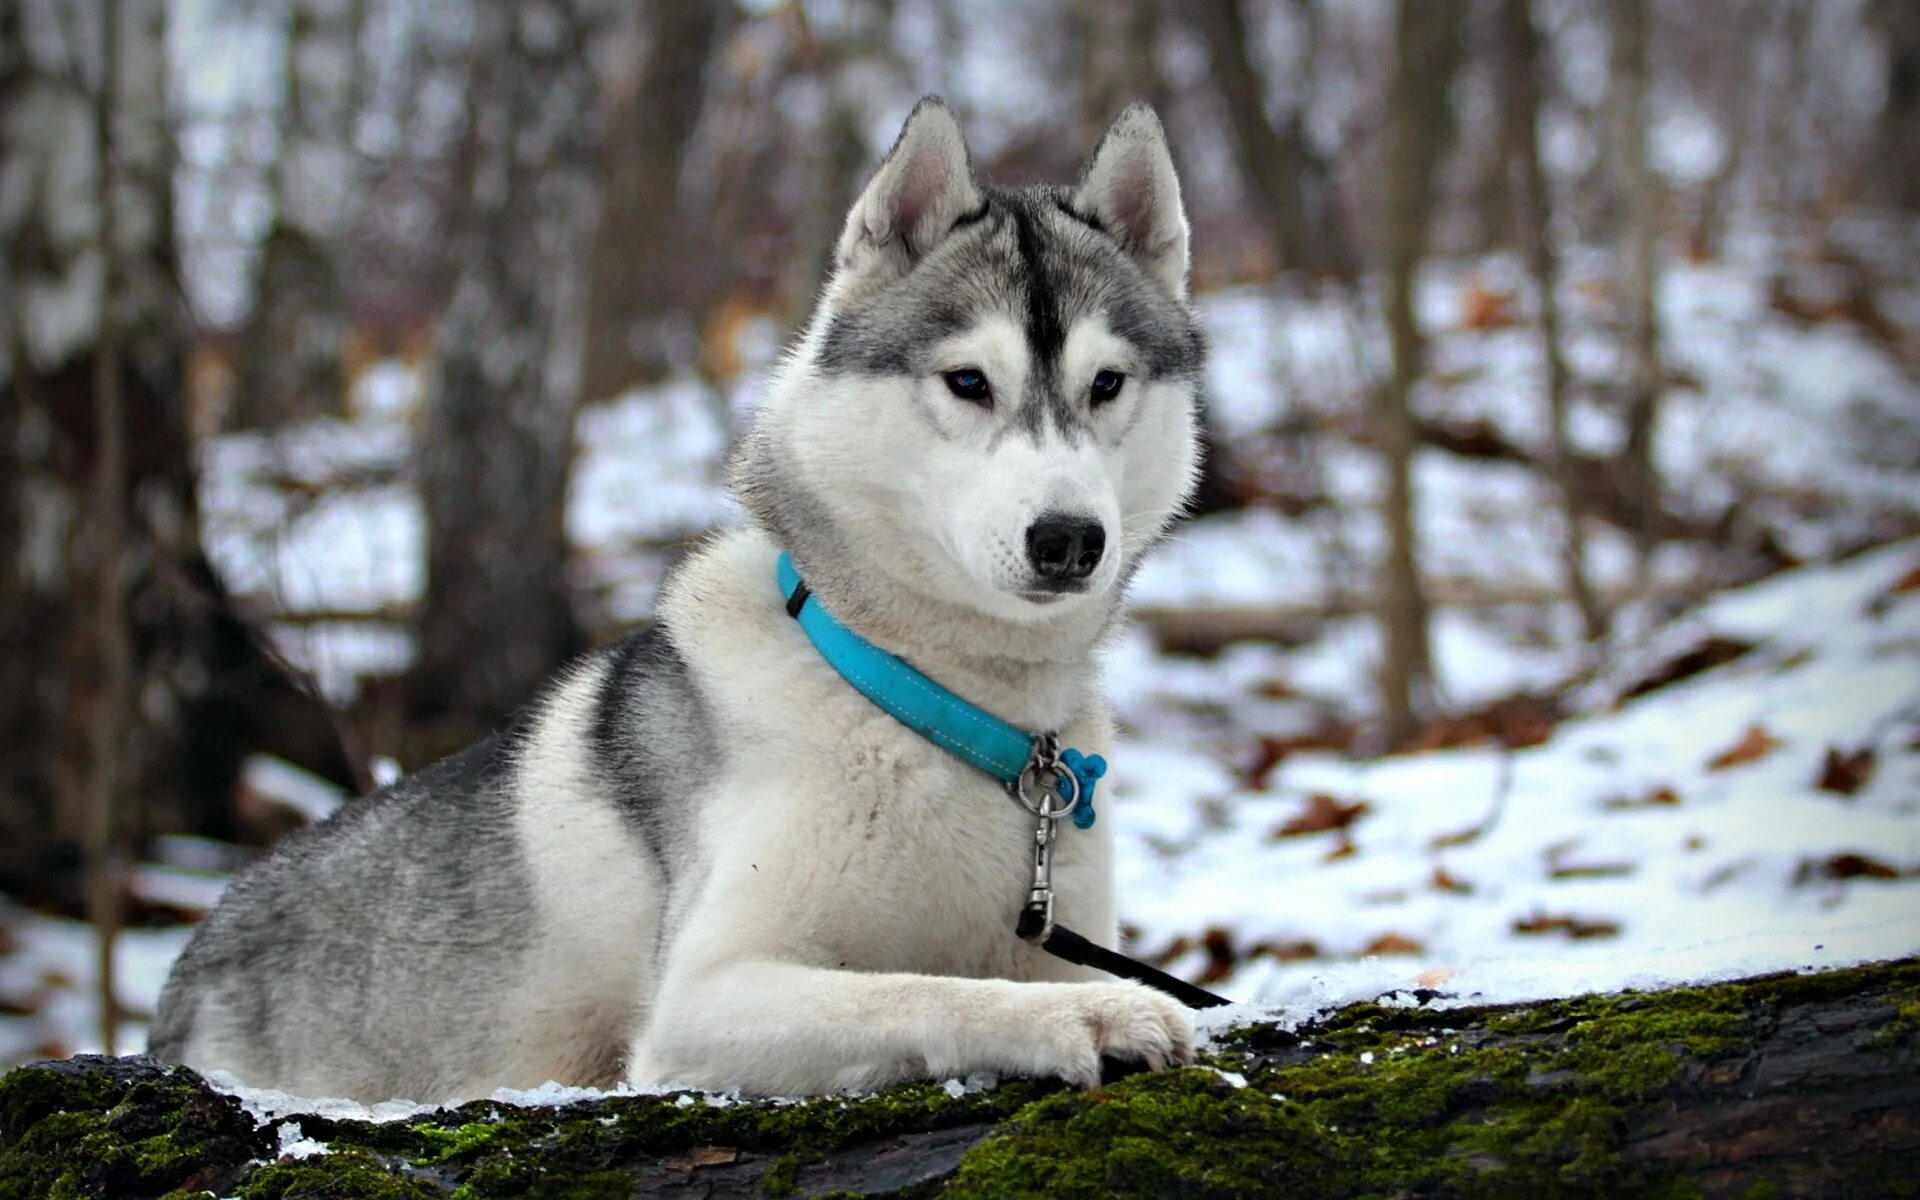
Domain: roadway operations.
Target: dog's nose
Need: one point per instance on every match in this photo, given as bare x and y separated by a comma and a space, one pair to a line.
1065, 548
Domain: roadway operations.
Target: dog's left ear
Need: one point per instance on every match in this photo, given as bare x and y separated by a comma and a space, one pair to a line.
1129, 187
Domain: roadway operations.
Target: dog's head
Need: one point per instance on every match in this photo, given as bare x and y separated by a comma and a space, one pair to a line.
994, 402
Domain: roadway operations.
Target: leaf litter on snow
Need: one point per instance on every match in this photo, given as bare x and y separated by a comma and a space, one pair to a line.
1687, 829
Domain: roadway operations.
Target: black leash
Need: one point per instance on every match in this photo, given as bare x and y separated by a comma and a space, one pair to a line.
1062, 942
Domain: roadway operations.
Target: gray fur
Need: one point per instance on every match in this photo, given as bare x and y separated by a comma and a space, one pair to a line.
424, 872
554, 904
1029, 254
376, 932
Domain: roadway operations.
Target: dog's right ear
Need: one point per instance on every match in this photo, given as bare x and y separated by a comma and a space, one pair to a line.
912, 202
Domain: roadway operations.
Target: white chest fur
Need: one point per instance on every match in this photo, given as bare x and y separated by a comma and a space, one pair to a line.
842, 835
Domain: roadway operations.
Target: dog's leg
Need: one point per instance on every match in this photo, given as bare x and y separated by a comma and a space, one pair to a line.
783, 1028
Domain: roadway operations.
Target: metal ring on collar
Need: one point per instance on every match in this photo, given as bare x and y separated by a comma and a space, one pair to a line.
1051, 804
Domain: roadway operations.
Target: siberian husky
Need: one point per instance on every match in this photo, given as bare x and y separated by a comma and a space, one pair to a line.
701, 857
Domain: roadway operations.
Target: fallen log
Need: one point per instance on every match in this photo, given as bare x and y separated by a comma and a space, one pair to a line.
1789, 1085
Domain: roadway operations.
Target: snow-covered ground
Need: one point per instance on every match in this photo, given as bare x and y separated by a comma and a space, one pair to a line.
1682, 833
1656, 834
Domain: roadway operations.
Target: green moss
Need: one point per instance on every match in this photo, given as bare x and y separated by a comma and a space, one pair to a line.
1185, 1133
341, 1175
1903, 1031
1374, 1100
459, 1140
70, 1131
1386, 1101
493, 1151
782, 1177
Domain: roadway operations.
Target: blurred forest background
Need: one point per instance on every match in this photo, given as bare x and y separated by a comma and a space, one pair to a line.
360, 360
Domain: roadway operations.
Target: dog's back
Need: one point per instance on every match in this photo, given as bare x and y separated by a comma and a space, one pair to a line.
383, 953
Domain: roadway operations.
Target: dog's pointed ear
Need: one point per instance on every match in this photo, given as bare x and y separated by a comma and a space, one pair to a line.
1130, 188
911, 203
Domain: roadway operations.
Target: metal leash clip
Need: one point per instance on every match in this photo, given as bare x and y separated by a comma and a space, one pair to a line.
1049, 791
1036, 919
1046, 788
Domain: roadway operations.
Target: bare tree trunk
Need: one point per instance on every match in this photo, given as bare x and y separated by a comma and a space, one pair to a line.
636, 267
290, 365
498, 615
1118, 40
123, 672
1900, 120
1291, 184
1639, 275
1499, 212
1418, 126
1734, 110
840, 163
1520, 47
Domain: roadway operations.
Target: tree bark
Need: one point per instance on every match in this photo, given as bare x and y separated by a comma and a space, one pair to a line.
1796, 1085
498, 615
636, 267
290, 352
1520, 47
1418, 126
1639, 273
123, 669
1290, 183
1899, 164
1115, 49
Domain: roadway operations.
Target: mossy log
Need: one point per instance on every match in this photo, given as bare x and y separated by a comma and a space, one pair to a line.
1790, 1085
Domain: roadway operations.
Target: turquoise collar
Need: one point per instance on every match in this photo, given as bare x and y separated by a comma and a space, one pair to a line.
1048, 781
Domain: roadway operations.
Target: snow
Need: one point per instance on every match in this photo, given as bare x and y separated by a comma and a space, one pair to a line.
1729, 874
296, 1145
1617, 827
275, 779
49, 977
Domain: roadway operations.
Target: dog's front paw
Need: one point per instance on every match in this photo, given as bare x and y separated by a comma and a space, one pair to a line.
1126, 1021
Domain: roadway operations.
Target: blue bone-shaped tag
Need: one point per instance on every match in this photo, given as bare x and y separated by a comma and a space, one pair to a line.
1086, 768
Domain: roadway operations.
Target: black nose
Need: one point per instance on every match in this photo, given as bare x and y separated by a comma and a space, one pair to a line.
1065, 547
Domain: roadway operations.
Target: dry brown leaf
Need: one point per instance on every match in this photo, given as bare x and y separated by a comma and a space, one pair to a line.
1660, 797
1910, 582
1343, 849
1846, 866
1270, 752
1221, 956
1483, 307
1393, 943
1844, 772
1434, 977
1286, 951
1710, 652
1516, 722
1599, 870
1445, 881
1575, 928
1756, 743
1459, 837
1324, 813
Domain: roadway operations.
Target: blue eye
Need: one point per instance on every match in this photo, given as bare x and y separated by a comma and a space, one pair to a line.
1106, 385
970, 385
